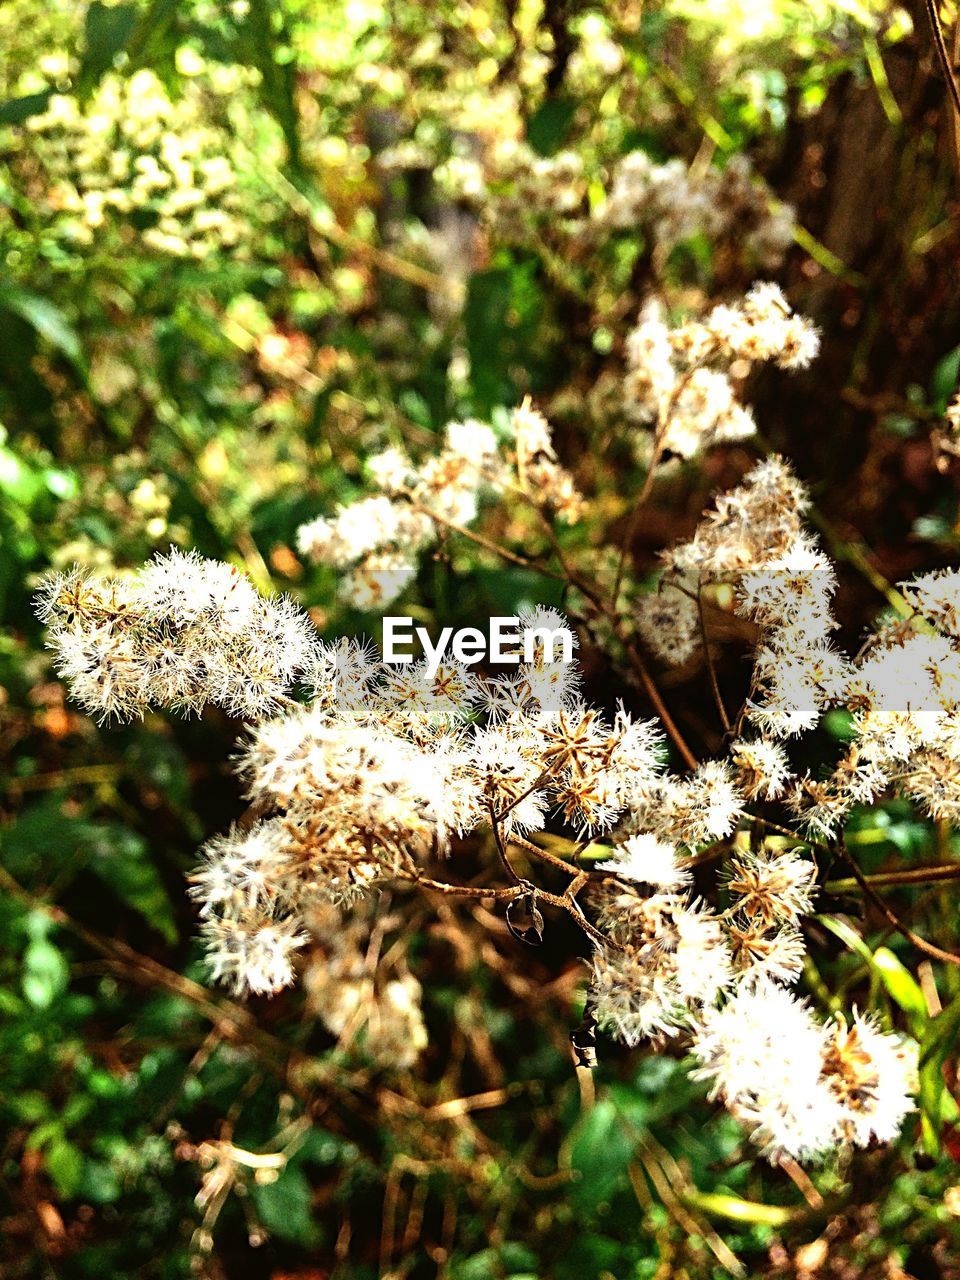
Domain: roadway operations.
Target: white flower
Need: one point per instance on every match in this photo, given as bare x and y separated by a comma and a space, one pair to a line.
256, 957
873, 1074
761, 1052
774, 887
391, 470
471, 441
647, 859
241, 871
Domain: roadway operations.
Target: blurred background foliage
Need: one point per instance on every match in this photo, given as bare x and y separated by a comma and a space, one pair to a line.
232, 264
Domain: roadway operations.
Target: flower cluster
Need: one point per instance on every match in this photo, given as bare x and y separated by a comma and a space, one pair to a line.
382, 770
513, 187
755, 540
133, 154
519, 193
675, 202
377, 539
673, 955
180, 633
803, 1087
902, 690
903, 694
669, 960
388, 769
355, 999
682, 381
668, 619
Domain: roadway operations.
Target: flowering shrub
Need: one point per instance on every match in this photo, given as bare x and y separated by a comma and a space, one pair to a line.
629, 948
383, 768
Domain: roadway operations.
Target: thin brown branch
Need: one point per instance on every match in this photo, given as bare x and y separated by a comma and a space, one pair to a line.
634, 520
501, 847
891, 879
653, 693
551, 859
513, 557
463, 890
943, 53
928, 948
711, 667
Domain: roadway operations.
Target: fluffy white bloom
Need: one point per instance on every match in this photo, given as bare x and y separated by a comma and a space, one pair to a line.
255, 957
531, 433
802, 1087
471, 441
936, 596
774, 887
669, 622
377, 581
391, 470
683, 381
766, 954
704, 805
671, 957
241, 871
379, 537
761, 1052
764, 770
182, 632
676, 202
873, 1074
647, 859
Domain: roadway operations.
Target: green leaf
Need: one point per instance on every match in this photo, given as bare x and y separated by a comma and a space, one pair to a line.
902, 987
278, 74
508, 1261
849, 937
548, 127
46, 319
839, 724
64, 1163
937, 1045
601, 1153
899, 983
17, 480
895, 825
99, 1182
31, 1106
943, 383
17, 110
107, 28
284, 1207
122, 861
501, 319
44, 837
46, 973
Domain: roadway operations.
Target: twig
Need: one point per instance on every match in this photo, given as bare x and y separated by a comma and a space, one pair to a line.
552, 860
325, 226
884, 879
928, 948
711, 668
943, 54
501, 847
677, 1208
464, 890
653, 693
487, 543
634, 517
